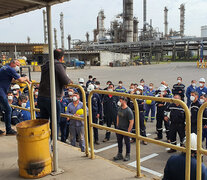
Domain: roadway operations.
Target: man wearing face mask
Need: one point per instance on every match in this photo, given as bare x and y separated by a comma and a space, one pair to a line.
81, 83
61, 80
201, 89
120, 88
190, 89
150, 105
7, 74
195, 106
107, 85
142, 83
76, 127
22, 101
179, 88
161, 107
125, 121
110, 110
176, 115
16, 93
90, 78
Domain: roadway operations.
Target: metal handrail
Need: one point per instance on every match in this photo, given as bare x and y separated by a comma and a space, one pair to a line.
200, 150
69, 116
138, 137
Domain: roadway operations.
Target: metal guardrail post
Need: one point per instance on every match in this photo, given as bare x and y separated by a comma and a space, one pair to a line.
199, 140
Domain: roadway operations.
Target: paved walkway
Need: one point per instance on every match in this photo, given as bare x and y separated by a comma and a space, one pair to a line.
74, 163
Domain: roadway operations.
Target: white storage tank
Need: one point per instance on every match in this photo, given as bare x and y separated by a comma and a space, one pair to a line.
203, 31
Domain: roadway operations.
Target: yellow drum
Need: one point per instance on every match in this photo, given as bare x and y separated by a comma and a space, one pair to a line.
33, 148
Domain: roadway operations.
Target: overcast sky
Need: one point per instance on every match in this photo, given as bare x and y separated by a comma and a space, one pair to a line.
80, 17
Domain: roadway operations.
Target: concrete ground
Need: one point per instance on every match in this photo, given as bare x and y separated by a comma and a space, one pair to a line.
153, 157
75, 165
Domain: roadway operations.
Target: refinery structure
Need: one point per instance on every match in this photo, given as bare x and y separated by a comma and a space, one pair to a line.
126, 37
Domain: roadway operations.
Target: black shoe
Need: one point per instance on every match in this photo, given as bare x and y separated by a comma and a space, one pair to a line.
96, 142
127, 157
171, 151
105, 140
157, 138
119, 156
1, 132
144, 142
11, 132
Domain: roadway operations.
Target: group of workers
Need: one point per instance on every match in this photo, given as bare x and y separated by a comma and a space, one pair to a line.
106, 109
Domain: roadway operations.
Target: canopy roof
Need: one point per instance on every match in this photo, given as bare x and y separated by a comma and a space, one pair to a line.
9, 8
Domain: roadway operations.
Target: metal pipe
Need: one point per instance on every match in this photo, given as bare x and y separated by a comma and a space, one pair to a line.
199, 140
52, 89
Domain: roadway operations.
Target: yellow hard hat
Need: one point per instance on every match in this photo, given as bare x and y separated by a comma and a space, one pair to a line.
79, 112
148, 101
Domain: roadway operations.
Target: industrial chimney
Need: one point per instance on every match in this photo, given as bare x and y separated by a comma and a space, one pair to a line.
69, 42
62, 30
182, 19
87, 37
166, 21
144, 15
101, 29
135, 35
45, 26
128, 20
55, 38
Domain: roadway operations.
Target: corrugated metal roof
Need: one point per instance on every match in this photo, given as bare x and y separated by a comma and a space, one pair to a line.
9, 8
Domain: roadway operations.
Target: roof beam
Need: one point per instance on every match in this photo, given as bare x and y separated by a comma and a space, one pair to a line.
34, 2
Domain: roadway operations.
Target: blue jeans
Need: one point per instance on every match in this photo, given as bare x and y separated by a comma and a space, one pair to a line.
44, 103
148, 108
8, 111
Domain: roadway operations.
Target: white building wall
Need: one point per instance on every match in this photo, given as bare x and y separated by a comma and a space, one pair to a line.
106, 57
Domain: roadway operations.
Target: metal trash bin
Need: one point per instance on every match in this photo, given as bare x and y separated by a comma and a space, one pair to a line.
33, 148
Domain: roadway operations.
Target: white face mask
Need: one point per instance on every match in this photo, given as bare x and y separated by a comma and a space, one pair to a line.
97, 86
192, 98
75, 98
81, 84
36, 93
194, 84
120, 85
131, 90
110, 90
14, 92
201, 84
24, 105
150, 87
142, 84
162, 93
119, 103
10, 97
138, 92
70, 93
202, 101
179, 81
17, 68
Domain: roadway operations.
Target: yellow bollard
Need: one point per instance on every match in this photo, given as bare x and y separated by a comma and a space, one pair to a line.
33, 148
205, 64
197, 64
202, 65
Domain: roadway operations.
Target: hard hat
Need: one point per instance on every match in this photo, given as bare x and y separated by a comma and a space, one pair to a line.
79, 112
193, 141
16, 86
140, 87
148, 101
202, 80
81, 80
90, 88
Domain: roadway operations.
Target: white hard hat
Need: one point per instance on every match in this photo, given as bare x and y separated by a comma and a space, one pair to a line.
16, 86
193, 141
140, 87
81, 80
162, 88
90, 88
202, 80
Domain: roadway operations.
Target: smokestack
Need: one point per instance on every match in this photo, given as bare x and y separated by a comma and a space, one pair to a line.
69, 42
166, 21
144, 15
28, 39
95, 33
45, 26
101, 29
135, 24
62, 30
128, 20
55, 38
87, 37
182, 19
115, 28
